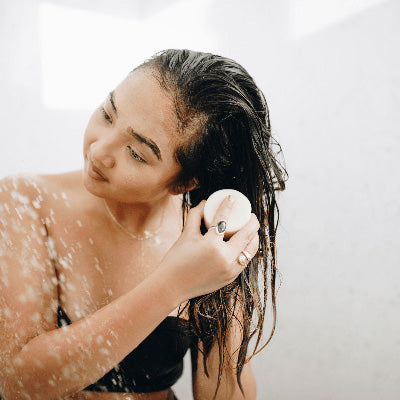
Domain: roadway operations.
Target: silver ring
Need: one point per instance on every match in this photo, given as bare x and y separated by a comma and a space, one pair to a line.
219, 228
244, 257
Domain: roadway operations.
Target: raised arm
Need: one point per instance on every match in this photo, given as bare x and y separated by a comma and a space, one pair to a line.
43, 362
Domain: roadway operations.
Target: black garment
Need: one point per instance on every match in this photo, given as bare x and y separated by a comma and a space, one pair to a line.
155, 365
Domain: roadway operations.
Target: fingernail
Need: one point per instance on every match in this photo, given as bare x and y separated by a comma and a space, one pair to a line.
231, 199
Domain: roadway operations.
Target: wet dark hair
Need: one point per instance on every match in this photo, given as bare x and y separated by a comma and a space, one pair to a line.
224, 141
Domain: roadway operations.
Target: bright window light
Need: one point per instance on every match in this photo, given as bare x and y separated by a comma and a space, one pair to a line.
85, 54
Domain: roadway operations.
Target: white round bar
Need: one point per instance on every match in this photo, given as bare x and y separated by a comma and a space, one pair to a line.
241, 210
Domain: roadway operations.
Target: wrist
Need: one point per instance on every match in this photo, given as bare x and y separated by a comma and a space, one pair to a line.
169, 285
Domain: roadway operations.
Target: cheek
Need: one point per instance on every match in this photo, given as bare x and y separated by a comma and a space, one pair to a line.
89, 136
134, 177
140, 179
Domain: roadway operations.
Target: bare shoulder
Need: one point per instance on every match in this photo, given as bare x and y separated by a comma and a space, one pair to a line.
20, 196
20, 188
37, 188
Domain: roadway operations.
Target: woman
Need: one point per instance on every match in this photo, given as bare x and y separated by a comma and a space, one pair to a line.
107, 274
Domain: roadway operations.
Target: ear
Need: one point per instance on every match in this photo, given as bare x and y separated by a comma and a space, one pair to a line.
179, 189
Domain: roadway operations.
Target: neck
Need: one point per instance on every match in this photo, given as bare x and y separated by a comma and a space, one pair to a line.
139, 218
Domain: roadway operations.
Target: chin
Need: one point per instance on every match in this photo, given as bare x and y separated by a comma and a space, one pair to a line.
94, 187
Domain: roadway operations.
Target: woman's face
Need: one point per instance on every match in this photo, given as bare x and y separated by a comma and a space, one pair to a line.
130, 141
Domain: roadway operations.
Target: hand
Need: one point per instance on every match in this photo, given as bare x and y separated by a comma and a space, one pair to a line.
202, 264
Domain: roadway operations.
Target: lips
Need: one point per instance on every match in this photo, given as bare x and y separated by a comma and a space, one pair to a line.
96, 173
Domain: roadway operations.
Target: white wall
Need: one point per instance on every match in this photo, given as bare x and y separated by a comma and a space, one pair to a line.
330, 71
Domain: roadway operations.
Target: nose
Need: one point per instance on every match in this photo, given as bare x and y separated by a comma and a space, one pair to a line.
99, 156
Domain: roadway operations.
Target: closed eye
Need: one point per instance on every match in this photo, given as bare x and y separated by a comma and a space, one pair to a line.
106, 116
135, 155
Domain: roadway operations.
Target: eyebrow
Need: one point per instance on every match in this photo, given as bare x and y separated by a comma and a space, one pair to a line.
147, 141
112, 102
142, 139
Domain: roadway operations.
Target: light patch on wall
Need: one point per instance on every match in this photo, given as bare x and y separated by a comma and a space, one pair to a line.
309, 16
84, 54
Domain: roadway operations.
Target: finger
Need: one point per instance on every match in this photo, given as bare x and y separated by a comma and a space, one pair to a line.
194, 217
242, 237
221, 215
246, 255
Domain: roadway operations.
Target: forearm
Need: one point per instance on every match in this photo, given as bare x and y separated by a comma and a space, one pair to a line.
64, 361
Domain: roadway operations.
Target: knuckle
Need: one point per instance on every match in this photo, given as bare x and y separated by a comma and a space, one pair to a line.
221, 217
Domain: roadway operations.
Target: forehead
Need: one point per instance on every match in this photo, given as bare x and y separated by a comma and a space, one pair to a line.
147, 108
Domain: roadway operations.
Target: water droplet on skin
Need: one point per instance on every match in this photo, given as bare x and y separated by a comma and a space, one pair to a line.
18, 213
19, 197
79, 223
18, 361
91, 241
22, 298
106, 352
55, 195
63, 195
39, 364
35, 317
70, 287
97, 266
